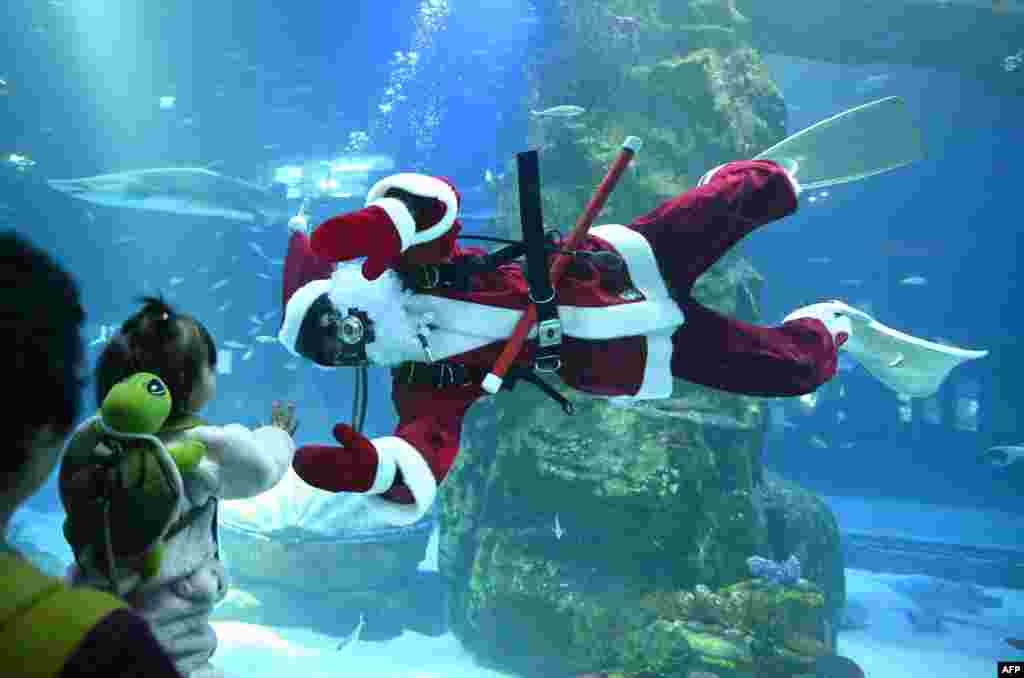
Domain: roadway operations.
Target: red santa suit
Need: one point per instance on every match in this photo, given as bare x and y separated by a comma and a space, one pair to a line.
625, 334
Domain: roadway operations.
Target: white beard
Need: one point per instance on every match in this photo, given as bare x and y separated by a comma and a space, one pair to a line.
384, 301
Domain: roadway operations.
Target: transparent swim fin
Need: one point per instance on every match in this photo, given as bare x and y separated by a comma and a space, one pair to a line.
870, 139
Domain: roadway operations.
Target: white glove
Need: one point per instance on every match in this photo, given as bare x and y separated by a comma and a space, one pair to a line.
298, 224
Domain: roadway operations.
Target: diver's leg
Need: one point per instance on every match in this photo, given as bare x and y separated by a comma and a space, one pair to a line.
692, 231
730, 355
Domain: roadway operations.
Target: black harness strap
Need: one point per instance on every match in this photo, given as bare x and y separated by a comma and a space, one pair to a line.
542, 294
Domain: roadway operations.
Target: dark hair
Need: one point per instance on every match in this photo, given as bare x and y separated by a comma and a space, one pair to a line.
157, 339
40, 338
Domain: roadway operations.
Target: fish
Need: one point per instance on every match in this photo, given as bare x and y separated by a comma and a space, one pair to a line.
292, 365
265, 276
276, 262
203, 270
269, 314
248, 354
1015, 643
851, 282
566, 111
219, 284
235, 344
266, 339
225, 306
255, 319
818, 442
255, 247
1002, 456
191, 191
836, 666
914, 281
559, 532
840, 416
175, 281
819, 260
353, 637
897, 361
126, 239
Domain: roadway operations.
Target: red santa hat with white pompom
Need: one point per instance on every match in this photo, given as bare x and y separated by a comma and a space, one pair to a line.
385, 232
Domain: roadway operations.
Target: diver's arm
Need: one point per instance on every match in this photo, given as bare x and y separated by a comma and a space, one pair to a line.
244, 463
399, 473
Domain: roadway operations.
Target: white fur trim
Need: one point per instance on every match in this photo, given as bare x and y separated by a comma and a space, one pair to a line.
386, 470
657, 383
295, 311
417, 476
633, 143
400, 217
427, 187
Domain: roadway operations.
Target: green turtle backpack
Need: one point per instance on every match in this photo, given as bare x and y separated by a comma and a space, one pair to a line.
121, 486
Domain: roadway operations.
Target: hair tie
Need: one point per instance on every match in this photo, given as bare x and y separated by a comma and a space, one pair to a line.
166, 316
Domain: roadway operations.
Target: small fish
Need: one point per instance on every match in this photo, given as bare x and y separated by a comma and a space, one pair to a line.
269, 314
1015, 643
1002, 456
255, 247
203, 270
353, 638
219, 284
124, 240
818, 442
872, 83
276, 262
851, 282
840, 417
225, 306
559, 532
847, 445
915, 281
175, 281
248, 354
266, 339
254, 331
897, 361
255, 319
819, 260
265, 276
292, 365
235, 344
559, 112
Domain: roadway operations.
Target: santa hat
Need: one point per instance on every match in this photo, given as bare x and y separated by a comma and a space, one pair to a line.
296, 308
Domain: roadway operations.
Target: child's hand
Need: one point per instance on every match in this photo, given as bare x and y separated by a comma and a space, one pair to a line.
283, 417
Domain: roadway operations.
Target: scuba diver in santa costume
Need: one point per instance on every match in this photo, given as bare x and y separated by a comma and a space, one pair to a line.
627, 331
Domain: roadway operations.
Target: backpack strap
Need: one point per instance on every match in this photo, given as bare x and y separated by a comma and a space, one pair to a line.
42, 621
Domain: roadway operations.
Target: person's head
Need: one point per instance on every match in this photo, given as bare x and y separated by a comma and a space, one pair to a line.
40, 341
173, 346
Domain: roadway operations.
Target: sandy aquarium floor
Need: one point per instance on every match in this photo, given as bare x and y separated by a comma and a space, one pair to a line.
888, 647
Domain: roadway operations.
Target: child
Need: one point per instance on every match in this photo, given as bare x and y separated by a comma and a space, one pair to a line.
180, 591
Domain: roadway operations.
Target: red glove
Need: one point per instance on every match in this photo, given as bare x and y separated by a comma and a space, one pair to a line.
350, 468
380, 232
841, 338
